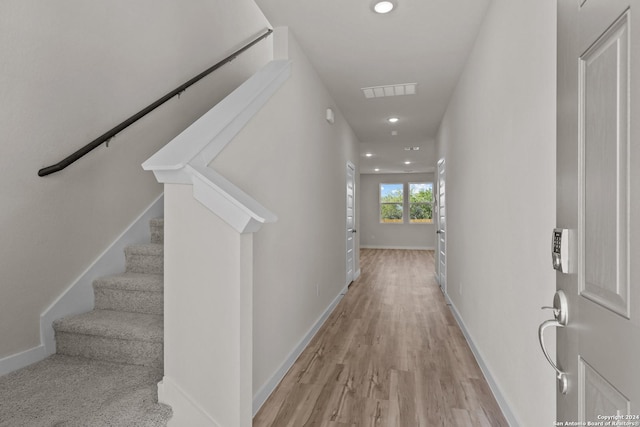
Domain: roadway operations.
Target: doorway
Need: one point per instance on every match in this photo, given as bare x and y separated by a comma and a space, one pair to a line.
351, 222
441, 222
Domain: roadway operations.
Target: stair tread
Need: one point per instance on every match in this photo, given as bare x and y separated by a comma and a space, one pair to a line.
145, 282
157, 222
146, 249
114, 324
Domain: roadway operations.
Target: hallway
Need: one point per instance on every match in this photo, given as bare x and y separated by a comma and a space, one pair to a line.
391, 354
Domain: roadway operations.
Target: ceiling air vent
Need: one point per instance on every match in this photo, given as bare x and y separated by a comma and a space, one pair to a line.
389, 90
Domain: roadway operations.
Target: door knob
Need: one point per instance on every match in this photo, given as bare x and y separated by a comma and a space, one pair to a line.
561, 317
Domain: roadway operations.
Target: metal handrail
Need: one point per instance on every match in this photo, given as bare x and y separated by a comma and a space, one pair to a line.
131, 120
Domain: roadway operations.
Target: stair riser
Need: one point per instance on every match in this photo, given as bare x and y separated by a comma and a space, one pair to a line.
157, 235
110, 349
157, 231
141, 263
129, 301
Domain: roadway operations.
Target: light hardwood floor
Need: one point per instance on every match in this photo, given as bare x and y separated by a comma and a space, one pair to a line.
391, 354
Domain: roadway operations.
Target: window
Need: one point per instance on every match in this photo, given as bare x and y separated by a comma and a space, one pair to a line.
419, 198
391, 203
420, 202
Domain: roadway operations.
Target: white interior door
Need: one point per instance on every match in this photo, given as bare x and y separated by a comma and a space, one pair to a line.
441, 223
598, 198
351, 222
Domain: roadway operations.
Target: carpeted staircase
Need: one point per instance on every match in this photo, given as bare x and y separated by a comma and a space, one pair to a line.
107, 362
127, 324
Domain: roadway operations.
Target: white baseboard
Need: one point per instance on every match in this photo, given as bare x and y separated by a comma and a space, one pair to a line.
415, 248
186, 411
22, 359
265, 391
78, 297
497, 393
355, 276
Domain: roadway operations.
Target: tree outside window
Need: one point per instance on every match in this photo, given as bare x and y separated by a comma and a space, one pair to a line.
391, 203
420, 203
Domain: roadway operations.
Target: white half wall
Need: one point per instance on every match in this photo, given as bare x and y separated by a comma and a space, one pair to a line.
374, 234
498, 138
208, 273
291, 160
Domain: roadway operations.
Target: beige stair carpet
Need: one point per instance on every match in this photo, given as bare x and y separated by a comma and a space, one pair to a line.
108, 361
64, 391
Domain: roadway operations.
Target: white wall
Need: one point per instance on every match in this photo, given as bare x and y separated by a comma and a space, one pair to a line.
373, 234
70, 71
293, 161
498, 138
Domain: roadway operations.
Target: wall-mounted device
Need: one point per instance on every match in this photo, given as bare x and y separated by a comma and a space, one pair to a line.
330, 117
561, 250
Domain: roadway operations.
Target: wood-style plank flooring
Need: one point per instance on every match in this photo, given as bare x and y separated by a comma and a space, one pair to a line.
391, 354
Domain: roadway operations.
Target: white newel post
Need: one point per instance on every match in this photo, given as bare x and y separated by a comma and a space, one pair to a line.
208, 315
209, 225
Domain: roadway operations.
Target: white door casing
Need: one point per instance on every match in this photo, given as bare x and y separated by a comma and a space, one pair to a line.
441, 264
598, 198
351, 222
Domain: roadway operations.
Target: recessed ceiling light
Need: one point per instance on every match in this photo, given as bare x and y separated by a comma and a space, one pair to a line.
383, 6
368, 154
393, 119
407, 162
411, 148
376, 170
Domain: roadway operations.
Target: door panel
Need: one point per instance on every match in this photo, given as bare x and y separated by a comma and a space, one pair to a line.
604, 143
598, 397
441, 225
351, 222
598, 195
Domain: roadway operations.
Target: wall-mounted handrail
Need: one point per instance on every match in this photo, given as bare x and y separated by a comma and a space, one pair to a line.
131, 120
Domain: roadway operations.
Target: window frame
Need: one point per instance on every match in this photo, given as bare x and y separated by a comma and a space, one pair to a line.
430, 204
406, 203
381, 203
